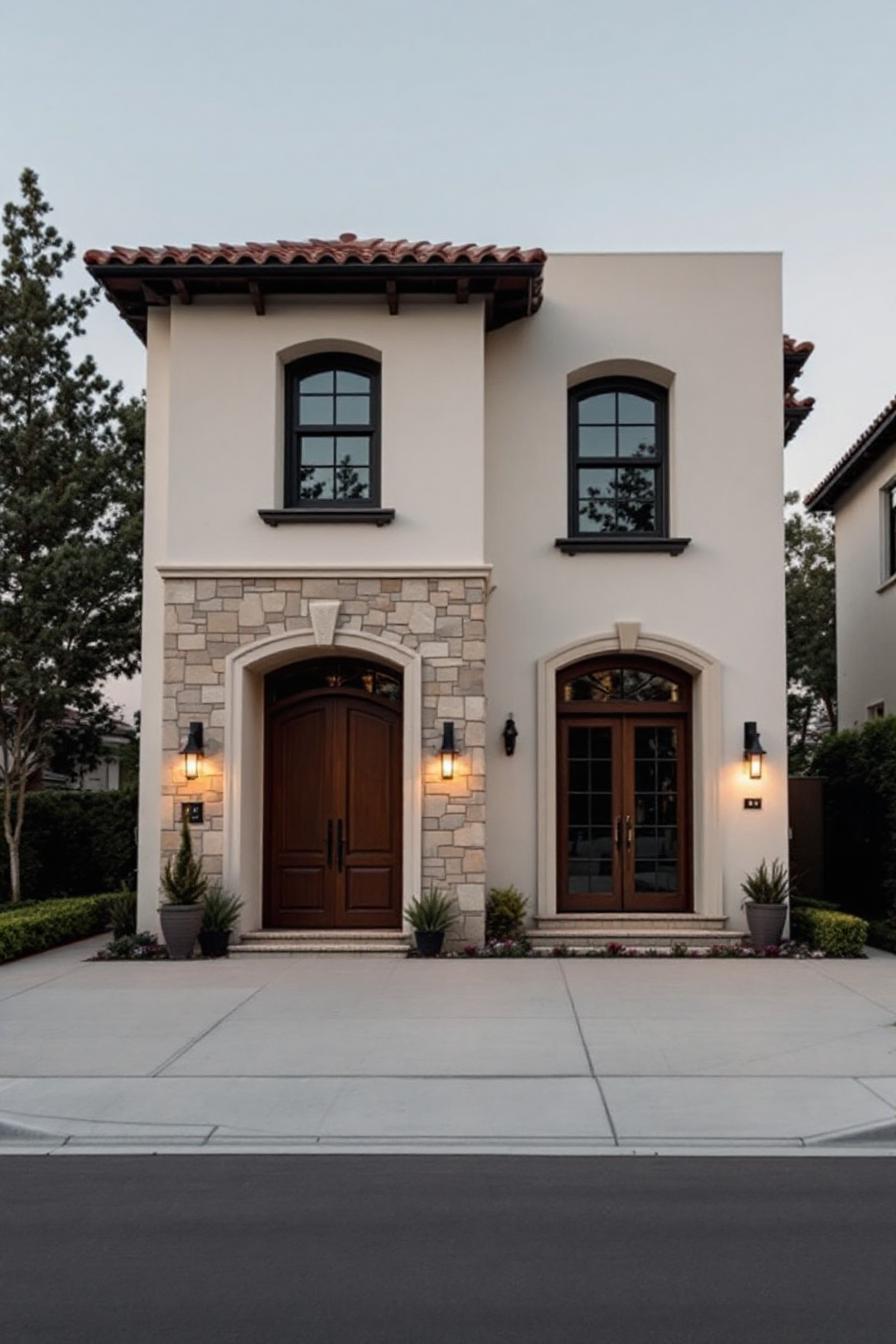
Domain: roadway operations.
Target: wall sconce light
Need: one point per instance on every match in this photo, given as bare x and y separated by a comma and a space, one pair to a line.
510, 734
753, 750
193, 751
447, 751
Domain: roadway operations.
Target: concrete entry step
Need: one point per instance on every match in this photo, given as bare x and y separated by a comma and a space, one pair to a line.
635, 930
314, 942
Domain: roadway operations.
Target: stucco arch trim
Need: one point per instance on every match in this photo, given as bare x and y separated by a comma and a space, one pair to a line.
621, 368
628, 637
244, 674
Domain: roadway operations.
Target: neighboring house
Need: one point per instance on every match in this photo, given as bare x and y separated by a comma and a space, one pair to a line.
106, 774
861, 492
397, 493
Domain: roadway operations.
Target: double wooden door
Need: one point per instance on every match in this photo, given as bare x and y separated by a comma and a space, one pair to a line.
623, 785
333, 813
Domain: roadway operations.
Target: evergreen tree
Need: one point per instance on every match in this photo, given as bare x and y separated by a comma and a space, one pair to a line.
70, 514
811, 633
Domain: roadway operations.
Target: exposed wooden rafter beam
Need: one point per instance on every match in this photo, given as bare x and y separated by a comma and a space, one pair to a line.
182, 292
392, 296
462, 290
153, 296
257, 298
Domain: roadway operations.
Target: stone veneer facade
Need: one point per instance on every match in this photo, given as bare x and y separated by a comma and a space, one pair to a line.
441, 618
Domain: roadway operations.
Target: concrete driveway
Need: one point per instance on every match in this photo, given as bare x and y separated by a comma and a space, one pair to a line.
349, 1051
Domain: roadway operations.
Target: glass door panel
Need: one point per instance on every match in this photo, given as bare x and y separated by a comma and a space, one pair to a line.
656, 780
588, 815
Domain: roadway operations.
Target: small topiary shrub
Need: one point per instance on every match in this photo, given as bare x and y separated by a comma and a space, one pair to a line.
830, 931
505, 915
50, 924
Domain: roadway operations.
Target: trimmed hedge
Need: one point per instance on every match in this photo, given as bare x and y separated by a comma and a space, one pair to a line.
75, 844
859, 771
51, 923
831, 931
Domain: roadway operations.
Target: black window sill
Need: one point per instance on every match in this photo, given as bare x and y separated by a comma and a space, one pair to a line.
668, 545
375, 517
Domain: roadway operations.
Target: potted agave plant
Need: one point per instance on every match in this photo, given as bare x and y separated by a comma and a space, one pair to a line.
220, 913
431, 916
766, 894
184, 886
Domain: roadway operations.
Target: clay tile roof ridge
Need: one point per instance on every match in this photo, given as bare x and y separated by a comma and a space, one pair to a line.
793, 347
348, 248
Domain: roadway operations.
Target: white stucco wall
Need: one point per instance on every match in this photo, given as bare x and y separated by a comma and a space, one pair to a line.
474, 463
866, 605
714, 323
226, 433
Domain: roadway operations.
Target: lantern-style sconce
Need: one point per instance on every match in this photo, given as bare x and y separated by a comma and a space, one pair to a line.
510, 733
193, 750
753, 751
447, 751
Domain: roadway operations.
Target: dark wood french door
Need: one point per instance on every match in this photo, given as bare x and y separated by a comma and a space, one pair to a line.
623, 812
333, 813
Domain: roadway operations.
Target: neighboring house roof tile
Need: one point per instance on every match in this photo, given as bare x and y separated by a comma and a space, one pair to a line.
509, 279
868, 447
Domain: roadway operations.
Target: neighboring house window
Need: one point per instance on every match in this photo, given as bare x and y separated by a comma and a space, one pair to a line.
890, 531
332, 432
877, 710
618, 443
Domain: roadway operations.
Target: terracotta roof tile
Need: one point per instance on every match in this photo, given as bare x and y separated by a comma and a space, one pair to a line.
867, 448
347, 249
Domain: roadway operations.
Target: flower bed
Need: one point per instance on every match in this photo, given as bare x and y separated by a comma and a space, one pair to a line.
38, 927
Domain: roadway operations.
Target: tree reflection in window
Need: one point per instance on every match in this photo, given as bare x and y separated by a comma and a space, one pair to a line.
618, 449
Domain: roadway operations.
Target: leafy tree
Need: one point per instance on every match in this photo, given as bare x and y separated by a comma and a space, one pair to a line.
70, 514
811, 632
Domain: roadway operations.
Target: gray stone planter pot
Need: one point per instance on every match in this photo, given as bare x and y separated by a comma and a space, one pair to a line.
180, 927
766, 923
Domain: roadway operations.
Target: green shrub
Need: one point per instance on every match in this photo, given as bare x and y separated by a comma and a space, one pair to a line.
859, 771
133, 947
505, 915
75, 843
767, 886
123, 914
51, 923
433, 912
831, 931
221, 910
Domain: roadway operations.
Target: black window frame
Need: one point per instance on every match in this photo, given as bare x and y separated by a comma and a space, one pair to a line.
330, 361
660, 462
890, 534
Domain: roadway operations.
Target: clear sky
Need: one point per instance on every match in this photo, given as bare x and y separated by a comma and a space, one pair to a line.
642, 126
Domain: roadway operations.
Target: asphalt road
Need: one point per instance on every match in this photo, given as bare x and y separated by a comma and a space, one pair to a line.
165, 1250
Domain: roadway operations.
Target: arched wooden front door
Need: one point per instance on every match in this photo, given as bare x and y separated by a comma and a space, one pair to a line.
333, 796
623, 786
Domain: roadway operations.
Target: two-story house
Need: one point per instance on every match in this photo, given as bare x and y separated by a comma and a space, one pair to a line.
860, 490
463, 566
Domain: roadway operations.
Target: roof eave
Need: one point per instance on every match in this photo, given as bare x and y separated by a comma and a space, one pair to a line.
824, 498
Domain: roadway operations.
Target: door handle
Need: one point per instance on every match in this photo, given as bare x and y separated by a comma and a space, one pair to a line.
340, 845
329, 844
618, 829
629, 832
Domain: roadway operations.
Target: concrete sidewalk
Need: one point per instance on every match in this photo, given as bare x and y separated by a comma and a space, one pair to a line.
349, 1051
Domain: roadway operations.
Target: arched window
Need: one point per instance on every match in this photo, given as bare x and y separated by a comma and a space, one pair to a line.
618, 469
332, 433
